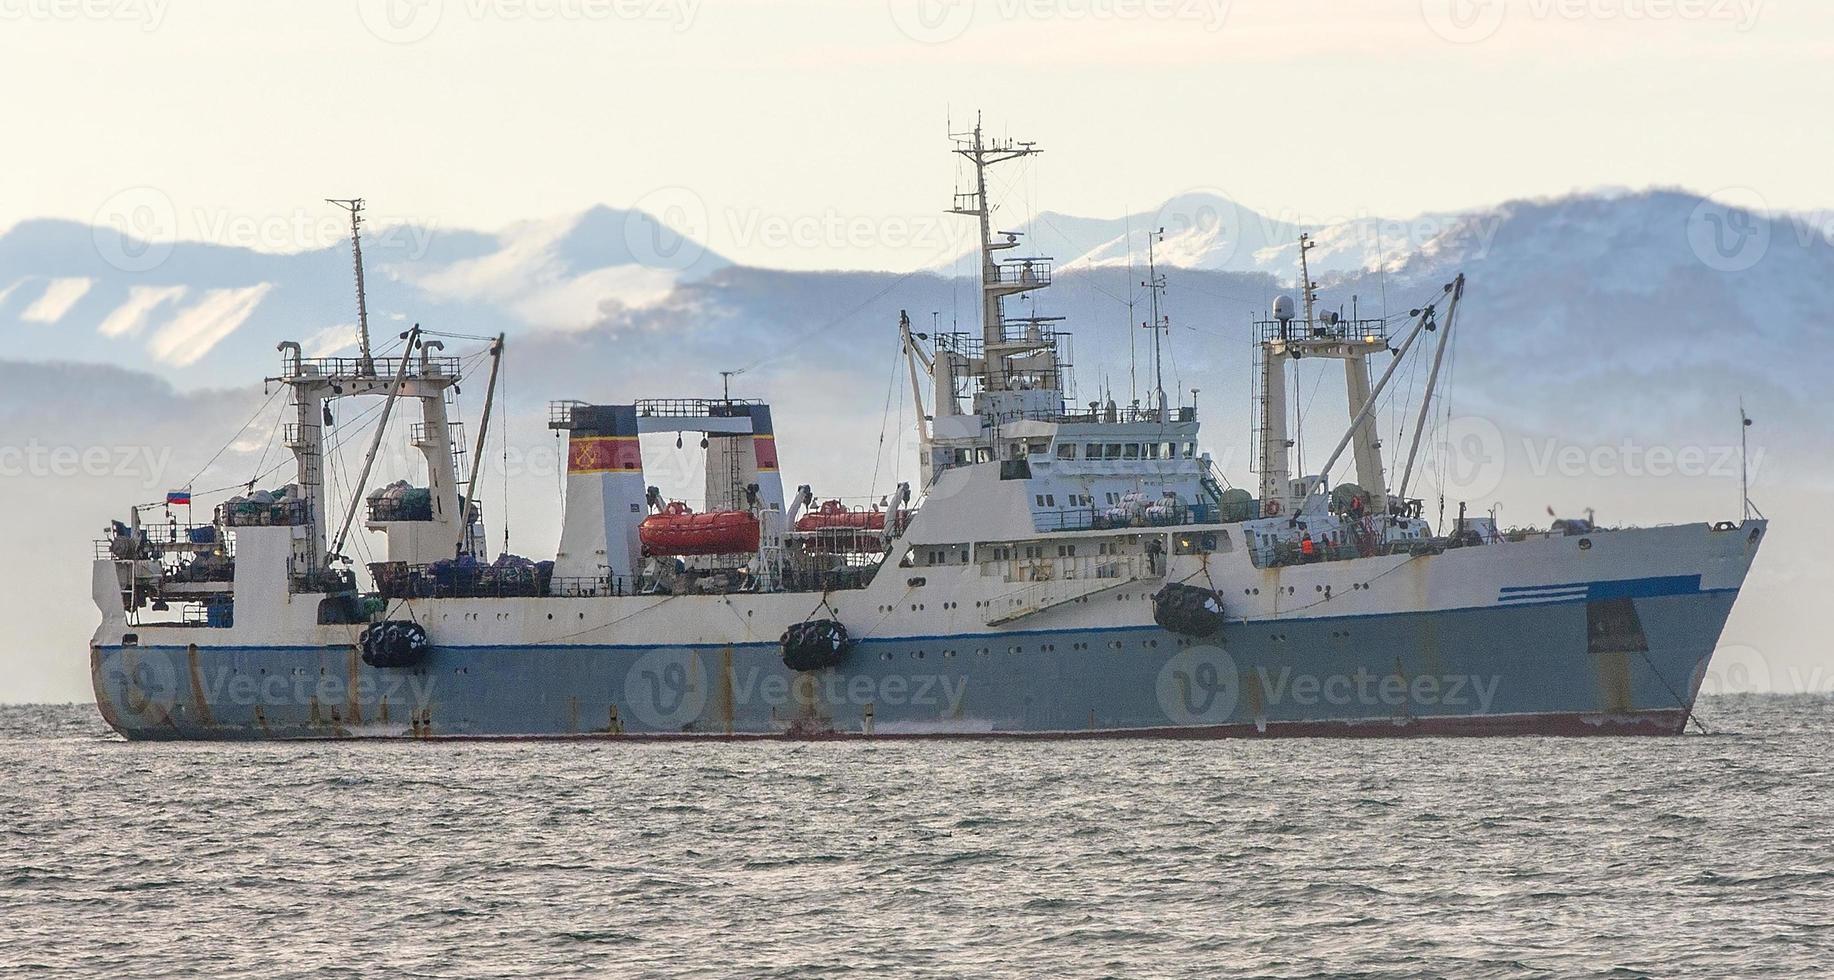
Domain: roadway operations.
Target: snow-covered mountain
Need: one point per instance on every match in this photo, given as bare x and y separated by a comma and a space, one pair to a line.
200, 313
1206, 230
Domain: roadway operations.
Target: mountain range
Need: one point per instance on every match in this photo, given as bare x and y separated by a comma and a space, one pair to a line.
1624, 327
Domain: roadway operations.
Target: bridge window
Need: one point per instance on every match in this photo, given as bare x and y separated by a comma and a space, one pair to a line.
1131, 451
1066, 450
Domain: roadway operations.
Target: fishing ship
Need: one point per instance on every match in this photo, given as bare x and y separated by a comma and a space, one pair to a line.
1059, 569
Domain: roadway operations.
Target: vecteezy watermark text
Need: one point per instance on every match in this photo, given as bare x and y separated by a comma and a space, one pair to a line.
149, 14
35, 460
1472, 21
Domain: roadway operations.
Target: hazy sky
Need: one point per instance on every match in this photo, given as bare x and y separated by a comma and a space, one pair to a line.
810, 133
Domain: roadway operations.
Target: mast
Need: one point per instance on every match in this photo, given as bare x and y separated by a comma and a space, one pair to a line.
375, 445
996, 283
477, 457
1364, 416
354, 205
1432, 383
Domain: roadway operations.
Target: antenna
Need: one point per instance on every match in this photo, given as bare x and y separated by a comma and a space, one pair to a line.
1744, 470
1133, 384
1160, 323
726, 384
365, 364
1309, 289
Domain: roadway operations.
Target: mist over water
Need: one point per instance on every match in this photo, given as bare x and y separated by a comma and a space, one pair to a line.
1694, 856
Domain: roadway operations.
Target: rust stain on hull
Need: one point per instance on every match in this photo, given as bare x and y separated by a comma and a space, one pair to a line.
353, 703
1614, 682
197, 686
104, 703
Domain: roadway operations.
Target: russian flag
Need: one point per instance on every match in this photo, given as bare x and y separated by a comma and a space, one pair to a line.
178, 497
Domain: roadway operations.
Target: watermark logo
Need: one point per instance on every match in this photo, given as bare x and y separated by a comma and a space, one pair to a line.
413, 21
1472, 21
932, 21
147, 685
1203, 218
666, 689
1729, 231
134, 229
1469, 455
1199, 685
667, 228
938, 21
401, 21
1464, 21
1737, 669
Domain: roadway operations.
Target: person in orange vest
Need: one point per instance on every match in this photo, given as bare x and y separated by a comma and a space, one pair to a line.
1307, 550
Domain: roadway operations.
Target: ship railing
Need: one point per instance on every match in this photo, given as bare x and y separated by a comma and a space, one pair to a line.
1121, 415
694, 408
1023, 272
381, 368
421, 434
388, 509
295, 435
1073, 568
974, 345
1328, 329
253, 513
828, 579
560, 413
1116, 518
154, 540
1329, 547
402, 580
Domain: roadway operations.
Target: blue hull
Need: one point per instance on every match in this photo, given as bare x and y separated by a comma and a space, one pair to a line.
1555, 667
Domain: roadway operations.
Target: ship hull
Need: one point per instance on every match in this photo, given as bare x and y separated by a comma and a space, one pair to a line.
1571, 666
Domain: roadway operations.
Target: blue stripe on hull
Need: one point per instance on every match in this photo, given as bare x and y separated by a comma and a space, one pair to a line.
1507, 669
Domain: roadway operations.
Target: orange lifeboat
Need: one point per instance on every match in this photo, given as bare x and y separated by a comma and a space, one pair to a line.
680, 531
835, 516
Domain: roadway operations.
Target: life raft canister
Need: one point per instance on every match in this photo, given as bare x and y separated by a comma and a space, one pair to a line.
814, 645
1188, 609
394, 643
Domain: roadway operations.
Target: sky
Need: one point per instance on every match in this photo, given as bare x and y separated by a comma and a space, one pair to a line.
811, 134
